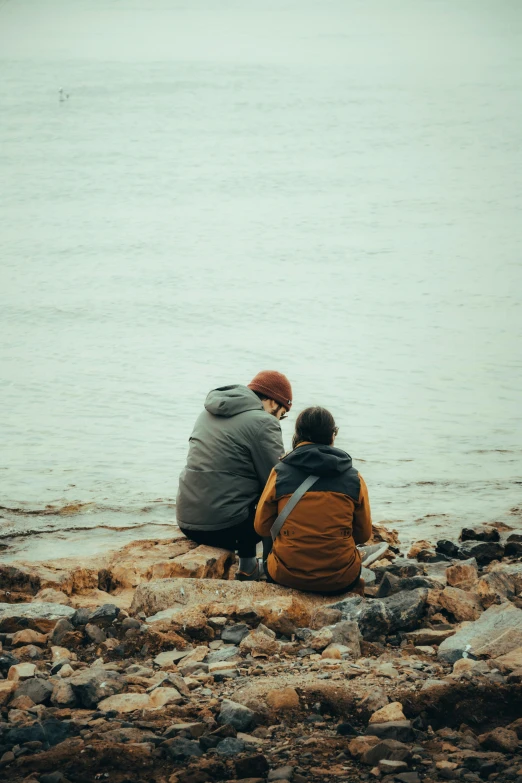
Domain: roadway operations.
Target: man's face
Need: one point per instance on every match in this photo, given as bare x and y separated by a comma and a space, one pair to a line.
274, 409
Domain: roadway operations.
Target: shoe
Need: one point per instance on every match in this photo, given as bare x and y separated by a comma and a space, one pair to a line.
369, 554
255, 576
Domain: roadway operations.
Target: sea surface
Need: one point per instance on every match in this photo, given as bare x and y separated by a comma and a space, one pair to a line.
332, 189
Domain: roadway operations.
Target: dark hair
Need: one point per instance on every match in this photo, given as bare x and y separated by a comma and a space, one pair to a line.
316, 425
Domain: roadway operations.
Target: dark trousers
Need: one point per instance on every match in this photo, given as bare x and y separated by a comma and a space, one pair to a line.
240, 538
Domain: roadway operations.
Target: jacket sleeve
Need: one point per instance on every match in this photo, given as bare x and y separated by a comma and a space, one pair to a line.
362, 518
266, 448
266, 513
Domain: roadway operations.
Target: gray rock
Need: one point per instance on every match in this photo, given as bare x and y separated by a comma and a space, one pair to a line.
224, 654
399, 730
180, 748
62, 627
375, 618
401, 567
230, 746
483, 551
104, 615
496, 632
281, 773
240, 717
130, 622
233, 634
63, 695
388, 749
95, 634
404, 610
389, 585
16, 617
347, 632
38, 690
81, 617
92, 685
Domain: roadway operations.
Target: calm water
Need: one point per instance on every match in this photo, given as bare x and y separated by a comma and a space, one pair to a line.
331, 189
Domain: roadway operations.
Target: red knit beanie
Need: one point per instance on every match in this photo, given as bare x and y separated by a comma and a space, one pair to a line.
274, 385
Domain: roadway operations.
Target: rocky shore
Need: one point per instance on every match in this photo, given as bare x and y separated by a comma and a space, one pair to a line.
151, 665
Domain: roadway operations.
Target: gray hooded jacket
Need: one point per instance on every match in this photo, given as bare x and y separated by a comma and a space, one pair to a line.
233, 447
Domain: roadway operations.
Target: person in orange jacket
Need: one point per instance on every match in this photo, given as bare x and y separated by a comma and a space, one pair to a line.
316, 550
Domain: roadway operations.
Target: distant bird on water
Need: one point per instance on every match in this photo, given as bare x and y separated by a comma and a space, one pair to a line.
64, 96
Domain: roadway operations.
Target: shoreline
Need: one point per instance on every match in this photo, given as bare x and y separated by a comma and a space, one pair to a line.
150, 663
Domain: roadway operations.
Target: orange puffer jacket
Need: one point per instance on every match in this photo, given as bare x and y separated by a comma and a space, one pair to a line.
316, 548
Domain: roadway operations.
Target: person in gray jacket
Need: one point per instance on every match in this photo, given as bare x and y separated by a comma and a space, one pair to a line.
234, 445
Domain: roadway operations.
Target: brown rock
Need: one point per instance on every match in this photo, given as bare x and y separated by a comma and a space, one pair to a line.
324, 616
419, 546
260, 643
126, 702
203, 562
283, 699
501, 740
6, 689
320, 639
391, 712
51, 595
133, 564
27, 636
194, 622
511, 660
63, 695
461, 604
380, 533
429, 636
463, 575
21, 703
360, 745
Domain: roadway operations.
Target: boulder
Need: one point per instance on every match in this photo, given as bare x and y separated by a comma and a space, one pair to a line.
378, 617
460, 603
203, 562
511, 660
180, 748
234, 634
479, 533
37, 689
484, 552
133, 564
125, 702
28, 636
63, 695
496, 632
503, 581
463, 575
53, 596
501, 740
36, 616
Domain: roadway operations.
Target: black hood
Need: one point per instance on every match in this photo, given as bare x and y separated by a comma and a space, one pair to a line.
318, 460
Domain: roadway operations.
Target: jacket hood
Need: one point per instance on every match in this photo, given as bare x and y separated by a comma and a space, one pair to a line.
319, 460
230, 400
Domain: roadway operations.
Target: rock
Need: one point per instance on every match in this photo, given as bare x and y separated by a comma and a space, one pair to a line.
160, 697
260, 643
234, 634
501, 740
6, 689
62, 627
324, 615
399, 730
230, 746
224, 654
348, 634
404, 610
318, 640
496, 632
387, 749
91, 686
463, 575
511, 660
418, 546
358, 746
203, 562
466, 665
125, 702
7, 758
95, 634
461, 604
52, 596
503, 581
193, 621
36, 616
389, 585
63, 695
180, 748
484, 552
281, 773
37, 689
448, 548
513, 546
104, 615
390, 767
81, 617
479, 534
21, 671
429, 636
391, 712
240, 717
168, 659
283, 699
28, 636
378, 617
374, 699
252, 766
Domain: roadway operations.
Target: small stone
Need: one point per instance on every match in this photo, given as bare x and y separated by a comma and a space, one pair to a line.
399, 730
104, 615
7, 758
168, 659
6, 689
63, 695
252, 766
240, 717
37, 689
62, 627
360, 745
27, 636
180, 748
234, 634
21, 671
501, 740
391, 712
125, 702
283, 699
281, 773
390, 767
95, 633
230, 746
388, 749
